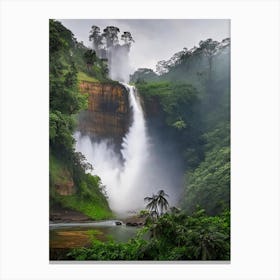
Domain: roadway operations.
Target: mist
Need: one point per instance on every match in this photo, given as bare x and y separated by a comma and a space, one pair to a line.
142, 167
156, 39
119, 64
113, 48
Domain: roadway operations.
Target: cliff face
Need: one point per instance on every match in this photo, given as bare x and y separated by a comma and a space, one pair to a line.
108, 111
152, 107
66, 187
61, 180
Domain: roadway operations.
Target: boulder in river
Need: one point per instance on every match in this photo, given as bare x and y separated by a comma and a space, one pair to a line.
135, 221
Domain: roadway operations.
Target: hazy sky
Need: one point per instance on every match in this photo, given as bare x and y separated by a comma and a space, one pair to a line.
155, 39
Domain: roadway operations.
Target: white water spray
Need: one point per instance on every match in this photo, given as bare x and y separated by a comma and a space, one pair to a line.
124, 180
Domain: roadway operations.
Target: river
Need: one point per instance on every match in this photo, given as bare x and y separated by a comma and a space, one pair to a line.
72, 235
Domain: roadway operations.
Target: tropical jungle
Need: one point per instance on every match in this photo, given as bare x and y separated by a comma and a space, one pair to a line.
139, 159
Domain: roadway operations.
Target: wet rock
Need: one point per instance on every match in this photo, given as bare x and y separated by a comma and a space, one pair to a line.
61, 214
135, 221
108, 113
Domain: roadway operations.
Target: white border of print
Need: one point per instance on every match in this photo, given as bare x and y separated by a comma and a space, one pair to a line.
255, 138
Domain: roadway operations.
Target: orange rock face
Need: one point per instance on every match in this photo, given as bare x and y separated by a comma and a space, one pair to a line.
108, 110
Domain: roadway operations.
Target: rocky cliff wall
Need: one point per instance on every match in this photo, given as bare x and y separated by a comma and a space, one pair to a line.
108, 114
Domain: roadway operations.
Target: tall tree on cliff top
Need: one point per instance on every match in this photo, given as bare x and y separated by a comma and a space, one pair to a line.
110, 33
127, 38
209, 48
96, 38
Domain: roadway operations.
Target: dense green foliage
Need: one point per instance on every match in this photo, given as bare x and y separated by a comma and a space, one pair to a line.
67, 166
187, 103
192, 90
142, 75
65, 101
209, 184
180, 107
90, 196
175, 237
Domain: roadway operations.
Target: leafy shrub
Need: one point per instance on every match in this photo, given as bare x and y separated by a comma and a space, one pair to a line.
177, 237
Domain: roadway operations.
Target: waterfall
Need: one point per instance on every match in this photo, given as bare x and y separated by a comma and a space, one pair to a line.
124, 179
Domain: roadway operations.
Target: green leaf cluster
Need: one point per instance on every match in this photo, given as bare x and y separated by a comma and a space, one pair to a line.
175, 237
65, 99
181, 116
209, 184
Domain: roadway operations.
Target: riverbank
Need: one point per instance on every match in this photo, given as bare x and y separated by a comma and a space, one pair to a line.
59, 214
66, 236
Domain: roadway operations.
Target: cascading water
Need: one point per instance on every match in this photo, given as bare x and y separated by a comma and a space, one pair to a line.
123, 178
134, 150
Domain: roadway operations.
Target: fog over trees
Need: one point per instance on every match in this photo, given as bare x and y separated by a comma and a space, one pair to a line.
113, 47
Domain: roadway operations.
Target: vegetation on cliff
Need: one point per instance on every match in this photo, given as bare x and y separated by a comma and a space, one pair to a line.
193, 111
192, 89
187, 103
179, 111
70, 183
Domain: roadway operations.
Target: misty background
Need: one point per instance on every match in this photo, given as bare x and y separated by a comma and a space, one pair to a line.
155, 39
151, 162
